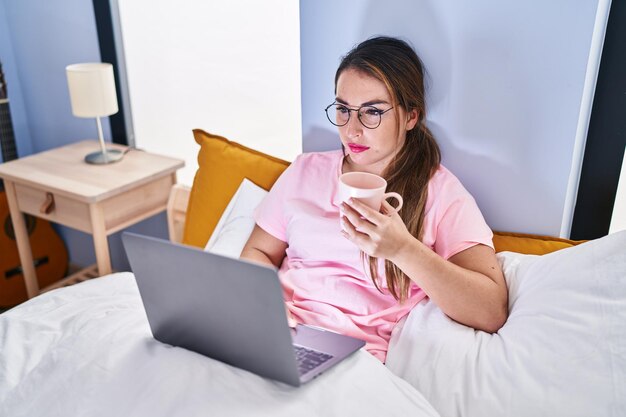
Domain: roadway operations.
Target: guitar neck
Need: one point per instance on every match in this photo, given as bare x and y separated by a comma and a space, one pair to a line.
7, 137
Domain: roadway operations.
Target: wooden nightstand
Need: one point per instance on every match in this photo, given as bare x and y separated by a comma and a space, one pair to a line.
96, 199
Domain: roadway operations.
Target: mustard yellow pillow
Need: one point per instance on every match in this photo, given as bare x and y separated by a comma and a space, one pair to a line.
222, 166
530, 244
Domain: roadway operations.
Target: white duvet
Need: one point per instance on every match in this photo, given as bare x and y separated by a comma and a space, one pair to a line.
87, 350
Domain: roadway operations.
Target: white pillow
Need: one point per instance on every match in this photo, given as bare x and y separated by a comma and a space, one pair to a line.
235, 226
562, 351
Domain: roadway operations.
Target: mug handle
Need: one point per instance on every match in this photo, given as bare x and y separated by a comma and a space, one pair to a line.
397, 197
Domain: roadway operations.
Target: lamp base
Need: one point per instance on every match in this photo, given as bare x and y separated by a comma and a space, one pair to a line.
99, 158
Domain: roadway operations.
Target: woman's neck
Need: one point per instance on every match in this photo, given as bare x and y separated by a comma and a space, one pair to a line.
349, 166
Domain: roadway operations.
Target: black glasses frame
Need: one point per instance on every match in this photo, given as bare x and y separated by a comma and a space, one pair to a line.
358, 114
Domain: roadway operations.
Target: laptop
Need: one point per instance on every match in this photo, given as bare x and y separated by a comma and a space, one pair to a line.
230, 310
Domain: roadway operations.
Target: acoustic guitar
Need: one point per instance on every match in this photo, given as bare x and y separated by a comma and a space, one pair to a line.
49, 252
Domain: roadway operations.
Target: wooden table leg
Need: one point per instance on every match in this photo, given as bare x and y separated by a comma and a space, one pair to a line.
101, 244
23, 242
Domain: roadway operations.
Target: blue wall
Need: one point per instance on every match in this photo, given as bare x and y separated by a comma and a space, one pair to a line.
12, 77
38, 39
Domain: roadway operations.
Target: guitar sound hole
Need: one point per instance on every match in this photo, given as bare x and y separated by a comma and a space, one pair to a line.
8, 225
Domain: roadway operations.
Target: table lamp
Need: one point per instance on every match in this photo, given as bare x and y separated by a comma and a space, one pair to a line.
92, 93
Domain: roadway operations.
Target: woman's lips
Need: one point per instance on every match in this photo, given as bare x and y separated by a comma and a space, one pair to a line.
357, 148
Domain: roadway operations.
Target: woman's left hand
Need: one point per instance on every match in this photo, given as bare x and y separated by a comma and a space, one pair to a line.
380, 235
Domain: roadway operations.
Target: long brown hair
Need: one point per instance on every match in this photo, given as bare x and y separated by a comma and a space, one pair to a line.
395, 63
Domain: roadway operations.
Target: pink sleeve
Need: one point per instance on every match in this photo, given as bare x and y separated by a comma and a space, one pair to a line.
460, 224
270, 215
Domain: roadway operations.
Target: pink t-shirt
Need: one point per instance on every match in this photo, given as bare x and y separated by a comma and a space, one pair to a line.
323, 276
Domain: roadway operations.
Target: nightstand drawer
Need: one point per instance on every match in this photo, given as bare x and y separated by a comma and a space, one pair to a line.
137, 204
65, 211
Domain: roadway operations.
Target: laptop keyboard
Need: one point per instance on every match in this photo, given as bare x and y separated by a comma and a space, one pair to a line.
309, 359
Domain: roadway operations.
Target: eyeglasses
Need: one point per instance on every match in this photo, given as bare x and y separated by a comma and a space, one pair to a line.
369, 116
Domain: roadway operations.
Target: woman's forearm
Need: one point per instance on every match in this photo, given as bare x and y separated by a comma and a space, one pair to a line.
469, 287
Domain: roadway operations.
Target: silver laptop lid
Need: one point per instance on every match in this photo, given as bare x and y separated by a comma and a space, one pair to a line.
224, 308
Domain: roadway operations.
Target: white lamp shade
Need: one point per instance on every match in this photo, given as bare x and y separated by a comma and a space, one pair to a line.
92, 89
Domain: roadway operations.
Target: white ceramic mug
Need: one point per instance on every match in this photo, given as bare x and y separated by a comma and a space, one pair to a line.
367, 188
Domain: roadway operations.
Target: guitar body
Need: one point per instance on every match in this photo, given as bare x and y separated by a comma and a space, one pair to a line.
49, 252
49, 256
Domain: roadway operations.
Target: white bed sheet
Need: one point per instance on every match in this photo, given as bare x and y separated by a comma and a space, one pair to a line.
87, 350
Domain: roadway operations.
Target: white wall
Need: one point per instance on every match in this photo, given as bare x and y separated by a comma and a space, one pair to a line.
509, 92
230, 68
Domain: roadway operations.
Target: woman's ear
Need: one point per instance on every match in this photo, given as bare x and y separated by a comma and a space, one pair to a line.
412, 117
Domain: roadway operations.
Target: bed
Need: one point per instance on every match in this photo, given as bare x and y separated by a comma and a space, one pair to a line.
87, 349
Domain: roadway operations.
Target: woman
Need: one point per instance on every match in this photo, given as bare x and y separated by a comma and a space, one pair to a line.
360, 279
